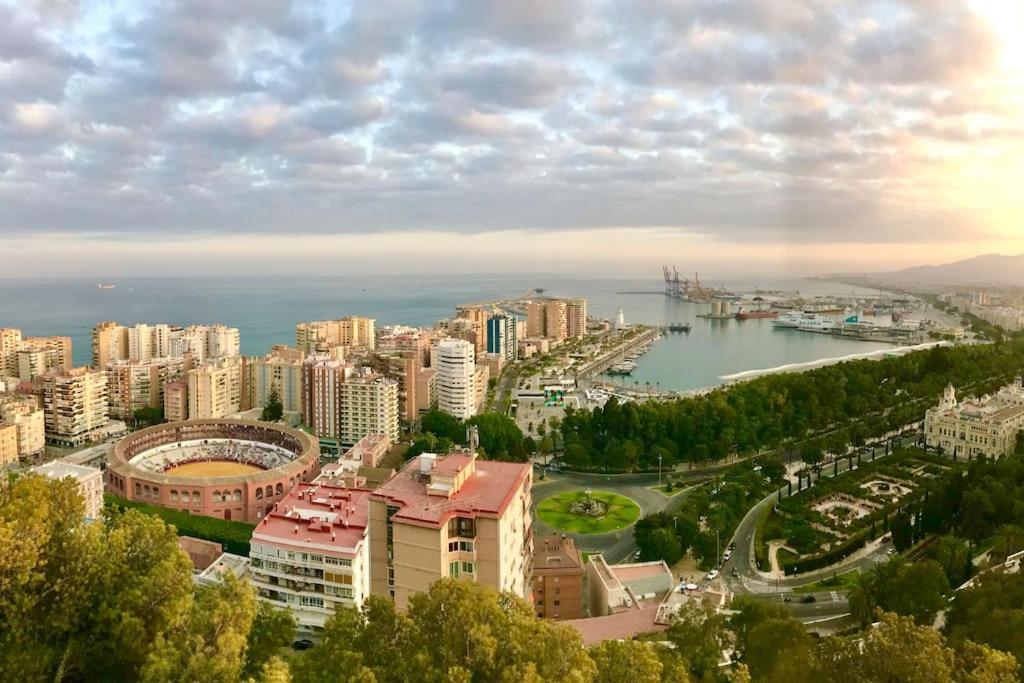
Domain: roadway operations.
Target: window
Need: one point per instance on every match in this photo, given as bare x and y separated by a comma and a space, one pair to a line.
217, 498
462, 526
259, 494
467, 567
453, 569
237, 495
279, 490
270, 491
174, 496
556, 603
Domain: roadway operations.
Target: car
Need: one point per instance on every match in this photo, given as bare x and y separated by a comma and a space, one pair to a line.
727, 555
735, 571
302, 644
886, 539
636, 555
807, 599
787, 598
891, 551
712, 575
732, 546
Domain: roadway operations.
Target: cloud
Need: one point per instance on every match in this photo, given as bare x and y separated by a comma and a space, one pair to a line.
812, 121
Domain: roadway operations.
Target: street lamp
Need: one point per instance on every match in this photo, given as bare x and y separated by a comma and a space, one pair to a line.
659, 469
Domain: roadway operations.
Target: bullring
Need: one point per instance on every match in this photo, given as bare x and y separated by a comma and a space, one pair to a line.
230, 469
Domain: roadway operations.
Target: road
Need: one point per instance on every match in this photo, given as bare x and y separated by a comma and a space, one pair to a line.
740, 573
616, 546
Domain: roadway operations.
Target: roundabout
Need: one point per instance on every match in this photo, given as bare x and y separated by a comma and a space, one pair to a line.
588, 512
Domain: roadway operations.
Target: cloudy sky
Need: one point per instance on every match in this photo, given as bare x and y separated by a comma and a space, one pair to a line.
265, 136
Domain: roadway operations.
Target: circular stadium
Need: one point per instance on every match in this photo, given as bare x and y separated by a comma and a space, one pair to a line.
231, 469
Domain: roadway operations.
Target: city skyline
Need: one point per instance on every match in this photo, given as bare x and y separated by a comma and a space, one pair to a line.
770, 138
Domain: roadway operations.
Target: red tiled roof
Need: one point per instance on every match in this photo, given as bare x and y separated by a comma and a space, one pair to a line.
617, 626
317, 516
487, 492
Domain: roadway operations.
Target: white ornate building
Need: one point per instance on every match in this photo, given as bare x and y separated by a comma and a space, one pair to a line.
987, 426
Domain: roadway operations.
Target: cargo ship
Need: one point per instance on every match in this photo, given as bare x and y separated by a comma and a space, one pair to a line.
755, 314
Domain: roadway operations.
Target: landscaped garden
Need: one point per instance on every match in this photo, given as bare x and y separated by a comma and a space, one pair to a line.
837, 516
588, 512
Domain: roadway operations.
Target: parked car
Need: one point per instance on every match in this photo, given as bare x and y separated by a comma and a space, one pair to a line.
712, 575
727, 555
302, 644
807, 599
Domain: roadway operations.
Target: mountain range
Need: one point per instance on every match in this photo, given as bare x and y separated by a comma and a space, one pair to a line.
988, 269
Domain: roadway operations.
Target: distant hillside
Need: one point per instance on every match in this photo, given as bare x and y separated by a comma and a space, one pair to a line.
989, 269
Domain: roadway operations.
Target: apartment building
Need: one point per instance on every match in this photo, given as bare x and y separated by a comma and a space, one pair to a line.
481, 378
557, 578
76, 404
141, 384
281, 368
29, 422
311, 553
453, 515
476, 317
367, 404
10, 342
214, 389
403, 340
8, 444
37, 356
556, 318
176, 401
454, 360
88, 479
426, 390
109, 343
986, 426
321, 377
502, 336
350, 332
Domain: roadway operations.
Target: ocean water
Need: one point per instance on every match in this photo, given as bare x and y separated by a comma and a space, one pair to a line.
266, 311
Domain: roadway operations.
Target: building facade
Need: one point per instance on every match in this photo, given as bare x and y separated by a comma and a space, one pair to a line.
321, 376
176, 401
76, 404
281, 368
10, 342
502, 336
451, 516
141, 384
8, 444
977, 427
88, 479
367, 404
350, 332
311, 553
30, 423
557, 578
454, 360
214, 389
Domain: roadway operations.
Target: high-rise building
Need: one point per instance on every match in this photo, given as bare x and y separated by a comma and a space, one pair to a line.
402, 366
502, 336
8, 444
141, 384
214, 389
37, 356
350, 332
109, 343
30, 422
76, 404
10, 342
311, 553
221, 341
281, 368
140, 343
477, 317
576, 317
481, 377
451, 516
367, 404
556, 318
321, 376
454, 360
176, 401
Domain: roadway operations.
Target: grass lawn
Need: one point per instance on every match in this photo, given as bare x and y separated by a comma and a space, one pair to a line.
621, 513
841, 582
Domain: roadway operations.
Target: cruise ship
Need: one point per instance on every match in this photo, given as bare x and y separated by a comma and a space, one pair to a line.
814, 321
788, 319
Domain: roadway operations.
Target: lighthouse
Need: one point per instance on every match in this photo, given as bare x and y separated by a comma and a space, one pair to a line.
620, 320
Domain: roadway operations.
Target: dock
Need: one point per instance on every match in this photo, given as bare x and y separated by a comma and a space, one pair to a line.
610, 358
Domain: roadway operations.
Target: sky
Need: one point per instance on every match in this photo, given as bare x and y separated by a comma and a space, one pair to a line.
604, 136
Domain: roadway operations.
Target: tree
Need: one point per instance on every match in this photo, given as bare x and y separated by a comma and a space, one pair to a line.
271, 629
902, 531
500, 436
664, 545
147, 417
779, 649
626, 660
272, 408
443, 425
699, 632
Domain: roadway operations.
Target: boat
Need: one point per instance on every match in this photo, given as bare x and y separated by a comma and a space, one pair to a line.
104, 285
679, 327
789, 319
622, 368
756, 314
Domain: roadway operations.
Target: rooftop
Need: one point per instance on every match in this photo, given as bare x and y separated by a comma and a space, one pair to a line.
618, 626
60, 470
317, 516
429, 490
556, 552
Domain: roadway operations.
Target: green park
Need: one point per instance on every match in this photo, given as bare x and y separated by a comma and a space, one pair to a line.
588, 512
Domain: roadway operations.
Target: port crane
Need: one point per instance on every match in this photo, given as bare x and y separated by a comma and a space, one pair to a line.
683, 288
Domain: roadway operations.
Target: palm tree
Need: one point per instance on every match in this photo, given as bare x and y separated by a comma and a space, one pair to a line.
861, 598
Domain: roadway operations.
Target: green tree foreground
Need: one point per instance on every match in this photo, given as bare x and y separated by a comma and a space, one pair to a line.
115, 601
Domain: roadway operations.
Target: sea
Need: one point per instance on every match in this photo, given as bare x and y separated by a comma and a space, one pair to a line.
266, 310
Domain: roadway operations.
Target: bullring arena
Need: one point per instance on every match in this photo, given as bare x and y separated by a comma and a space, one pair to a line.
231, 469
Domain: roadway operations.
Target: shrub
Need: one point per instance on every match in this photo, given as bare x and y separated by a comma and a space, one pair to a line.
234, 536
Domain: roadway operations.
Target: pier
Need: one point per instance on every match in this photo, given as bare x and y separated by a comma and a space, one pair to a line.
613, 356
